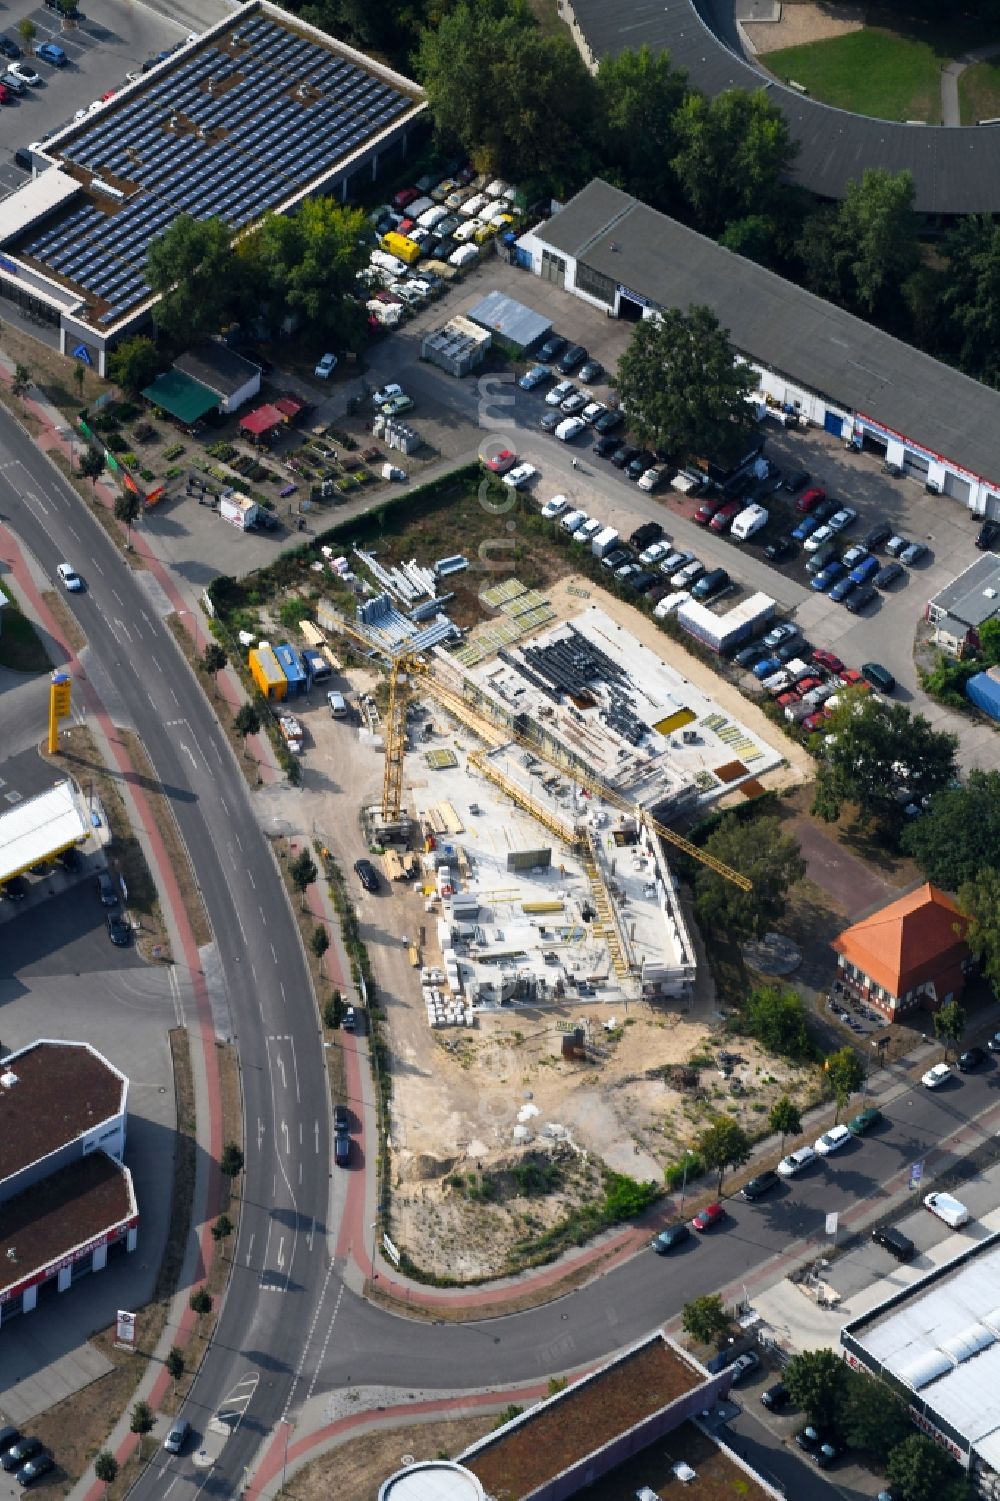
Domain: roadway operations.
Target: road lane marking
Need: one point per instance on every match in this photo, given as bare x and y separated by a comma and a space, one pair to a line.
118, 598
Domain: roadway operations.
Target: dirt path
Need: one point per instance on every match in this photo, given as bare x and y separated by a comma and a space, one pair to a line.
803, 23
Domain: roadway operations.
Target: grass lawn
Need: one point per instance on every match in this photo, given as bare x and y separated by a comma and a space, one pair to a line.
979, 92
20, 647
868, 72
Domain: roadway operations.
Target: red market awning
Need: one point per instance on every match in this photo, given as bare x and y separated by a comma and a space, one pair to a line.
262, 420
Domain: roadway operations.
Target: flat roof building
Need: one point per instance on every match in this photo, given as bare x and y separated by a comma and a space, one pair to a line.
66, 1196
937, 1344
812, 359
958, 610
260, 112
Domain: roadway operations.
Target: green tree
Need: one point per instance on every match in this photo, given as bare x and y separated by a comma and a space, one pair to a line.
308, 263
192, 266
731, 155
873, 749
319, 941
970, 295
989, 642
816, 1382
27, 31
979, 899
705, 1319
844, 1075
878, 223
491, 78
174, 1363
222, 1227
106, 1466
949, 1025
200, 1300
754, 237
133, 364
683, 390
128, 508
872, 1417
231, 1161
784, 1118
214, 661
776, 1016
959, 833
246, 722
922, 1469
21, 384
79, 376
638, 96
771, 861
302, 871
723, 1144
91, 464
142, 1418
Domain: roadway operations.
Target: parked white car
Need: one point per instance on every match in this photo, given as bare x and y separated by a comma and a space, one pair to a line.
463, 255
655, 552
519, 476
820, 537
936, 1076
326, 367
569, 428
671, 602
952, 1211
588, 531
558, 393
833, 1140
796, 1162
554, 507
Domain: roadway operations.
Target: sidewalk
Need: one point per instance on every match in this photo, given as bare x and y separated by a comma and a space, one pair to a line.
201, 1248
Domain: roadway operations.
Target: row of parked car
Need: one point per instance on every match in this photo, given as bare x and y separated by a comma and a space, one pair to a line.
24, 1457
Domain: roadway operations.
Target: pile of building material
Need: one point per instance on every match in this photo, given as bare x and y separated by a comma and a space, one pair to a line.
443, 1011
407, 583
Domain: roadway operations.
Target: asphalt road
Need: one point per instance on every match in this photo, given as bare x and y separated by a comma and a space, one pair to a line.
275, 1299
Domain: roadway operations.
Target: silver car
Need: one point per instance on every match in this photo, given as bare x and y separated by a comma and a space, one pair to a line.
177, 1437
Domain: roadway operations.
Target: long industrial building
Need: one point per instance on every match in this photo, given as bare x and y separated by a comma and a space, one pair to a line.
66, 1197
258, 113
815, 361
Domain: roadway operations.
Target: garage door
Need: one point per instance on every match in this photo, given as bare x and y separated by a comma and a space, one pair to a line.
915, 462
833, 423
958, 489
992, 507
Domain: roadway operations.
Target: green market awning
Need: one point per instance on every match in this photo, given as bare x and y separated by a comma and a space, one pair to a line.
184, 398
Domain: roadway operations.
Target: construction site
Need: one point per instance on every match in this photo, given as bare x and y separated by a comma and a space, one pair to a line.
535, 955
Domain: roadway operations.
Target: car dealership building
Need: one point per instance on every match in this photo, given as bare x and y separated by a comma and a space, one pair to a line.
815, 363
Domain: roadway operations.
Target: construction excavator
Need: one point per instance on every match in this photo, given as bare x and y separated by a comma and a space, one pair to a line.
405, 666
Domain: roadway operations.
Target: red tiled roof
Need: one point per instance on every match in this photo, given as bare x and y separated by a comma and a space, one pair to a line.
909, 942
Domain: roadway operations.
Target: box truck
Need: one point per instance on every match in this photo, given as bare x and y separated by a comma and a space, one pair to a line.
604, 542
748, 522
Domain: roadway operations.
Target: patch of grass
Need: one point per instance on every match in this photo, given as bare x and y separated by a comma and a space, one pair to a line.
979, 92
21, 648
869, 72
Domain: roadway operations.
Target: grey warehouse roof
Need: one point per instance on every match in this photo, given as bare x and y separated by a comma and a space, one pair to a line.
783, 327
955, 170
216, 366
510, 319
974, 596
945, 1343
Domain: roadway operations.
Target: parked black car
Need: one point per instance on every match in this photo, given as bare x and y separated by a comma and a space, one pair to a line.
667, 1239
341, 1119
551, 349
118, 930
970, 1059
860, 599
748, 655
606, 445
646, 535
775, 1397
608, 421
797, 480
9, 48
761, 1185
107, 889
639, 463
624, 456
779, 549
575, 355
988, 534
876, 535
888, 575
14, 890
894, 1241
24, 1449
367, 875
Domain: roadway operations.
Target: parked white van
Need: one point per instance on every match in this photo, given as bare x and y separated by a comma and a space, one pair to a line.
747, 522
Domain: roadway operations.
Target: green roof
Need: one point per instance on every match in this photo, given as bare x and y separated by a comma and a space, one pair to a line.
182, 397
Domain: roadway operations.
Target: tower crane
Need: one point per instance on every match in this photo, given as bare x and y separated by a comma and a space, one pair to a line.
404, 663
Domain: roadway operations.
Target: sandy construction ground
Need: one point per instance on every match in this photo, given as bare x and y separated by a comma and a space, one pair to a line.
801, 23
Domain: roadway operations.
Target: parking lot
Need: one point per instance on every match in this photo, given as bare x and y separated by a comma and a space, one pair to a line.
110, 40
449, 411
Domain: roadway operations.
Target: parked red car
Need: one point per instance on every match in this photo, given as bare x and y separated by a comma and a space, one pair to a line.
824, 658
707, 510
4, 94
810, 499
725, 516
850, 676
711, 1215
806, 685
404, 226
502, 461
786, 700
404, 198
814, 722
